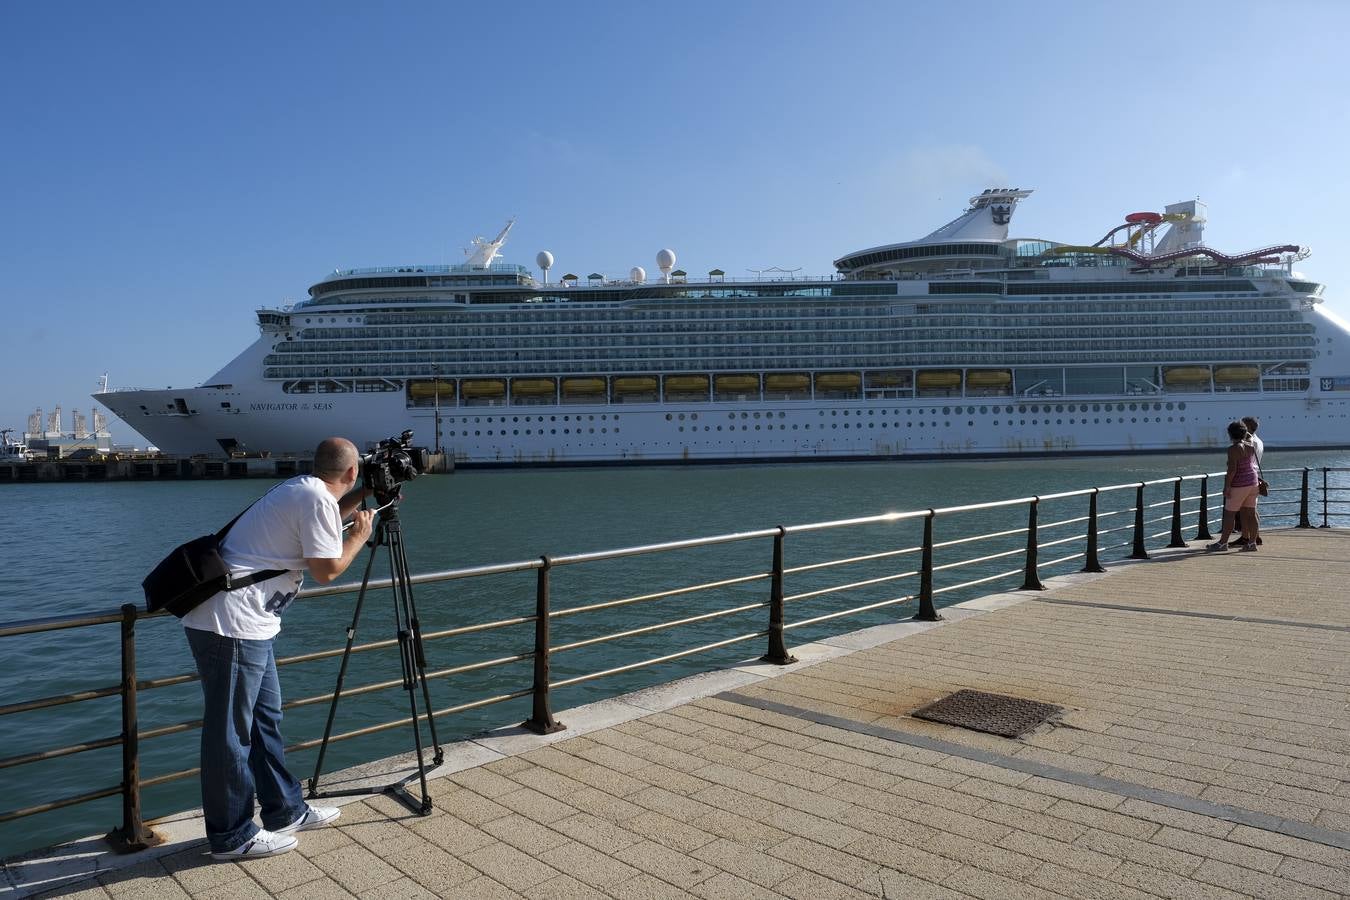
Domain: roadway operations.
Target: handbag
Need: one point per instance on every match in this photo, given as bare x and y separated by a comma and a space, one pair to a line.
1262, 486
195, 572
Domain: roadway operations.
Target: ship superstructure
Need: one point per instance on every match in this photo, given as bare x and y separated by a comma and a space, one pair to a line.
965, 341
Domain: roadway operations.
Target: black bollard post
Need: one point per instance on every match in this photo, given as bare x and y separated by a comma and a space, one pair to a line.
778, 653
132, 836
541, 720
1303, 520
1202, 533
1031, 581
1325, 494
1092, 564
926, 611
1140, 552
1177, 539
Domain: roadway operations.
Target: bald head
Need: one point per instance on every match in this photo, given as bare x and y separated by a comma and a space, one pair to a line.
333, 457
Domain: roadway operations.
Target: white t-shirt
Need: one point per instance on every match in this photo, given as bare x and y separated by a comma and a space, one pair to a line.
296, 520
1260, 448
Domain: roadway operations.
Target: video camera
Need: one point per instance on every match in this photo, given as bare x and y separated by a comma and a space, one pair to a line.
392, 462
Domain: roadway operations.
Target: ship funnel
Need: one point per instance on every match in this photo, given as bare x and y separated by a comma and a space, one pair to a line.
986, 220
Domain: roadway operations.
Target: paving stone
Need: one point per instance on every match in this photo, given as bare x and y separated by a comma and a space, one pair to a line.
725, 886
509, 866
248, 889
671, 866
280, 873
1159, 883
1332, 879
486, 889
435, 869
647, 887
356, 868
1245, 881
403, 889
565, 887
452, 833
586, 864
813, 886
669, 832
746, 862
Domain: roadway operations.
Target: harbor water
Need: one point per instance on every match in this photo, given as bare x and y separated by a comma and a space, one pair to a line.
73, 548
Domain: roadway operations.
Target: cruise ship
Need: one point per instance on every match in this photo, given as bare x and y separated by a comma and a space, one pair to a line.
964, 342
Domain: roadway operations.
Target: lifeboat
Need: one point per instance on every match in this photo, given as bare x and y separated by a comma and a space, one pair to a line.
940, 378
732, 383
786, 382
837, 381
1236, 374
532, 387
1186, 375
687, 383
635, 385
573, 387
890, 379
482, 387
429, 390
989, 378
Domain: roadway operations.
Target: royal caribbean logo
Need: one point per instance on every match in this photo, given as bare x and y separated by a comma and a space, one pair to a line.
1336, 383
1002, 214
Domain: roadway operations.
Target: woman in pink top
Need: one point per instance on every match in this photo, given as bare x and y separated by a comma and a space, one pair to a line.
1240, 484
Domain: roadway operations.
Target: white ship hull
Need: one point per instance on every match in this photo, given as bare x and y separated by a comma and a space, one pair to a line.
265, 419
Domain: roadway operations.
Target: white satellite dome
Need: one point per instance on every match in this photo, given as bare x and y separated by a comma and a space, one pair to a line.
638, 274
665, 260
544, 260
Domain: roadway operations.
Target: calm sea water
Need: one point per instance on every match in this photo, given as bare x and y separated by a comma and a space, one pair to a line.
84, 547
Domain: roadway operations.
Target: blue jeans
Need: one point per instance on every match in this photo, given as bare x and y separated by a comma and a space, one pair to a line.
242, 750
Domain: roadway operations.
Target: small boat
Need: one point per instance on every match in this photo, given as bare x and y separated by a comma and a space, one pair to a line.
583, 386
1186, 375
1237, 374
729, 383
429, 390
638, 384
482, 387
798, 382
837, 381
532, 387
985, 378
687, 384
940, 378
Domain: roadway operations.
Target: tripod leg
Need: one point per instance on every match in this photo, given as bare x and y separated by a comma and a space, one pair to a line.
420, 657
346, 656
408, 651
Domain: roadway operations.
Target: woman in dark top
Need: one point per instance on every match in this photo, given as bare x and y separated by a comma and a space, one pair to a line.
1240, 484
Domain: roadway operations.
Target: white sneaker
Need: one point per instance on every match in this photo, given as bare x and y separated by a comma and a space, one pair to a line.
312, 817
264, 843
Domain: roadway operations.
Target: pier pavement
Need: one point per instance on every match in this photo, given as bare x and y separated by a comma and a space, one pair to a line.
1202, 753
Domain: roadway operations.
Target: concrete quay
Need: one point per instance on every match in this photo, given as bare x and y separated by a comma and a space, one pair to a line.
1202, 752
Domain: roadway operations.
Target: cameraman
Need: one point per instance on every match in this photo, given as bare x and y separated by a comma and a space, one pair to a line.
297, 526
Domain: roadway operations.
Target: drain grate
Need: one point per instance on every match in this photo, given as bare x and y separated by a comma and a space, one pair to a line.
990, 713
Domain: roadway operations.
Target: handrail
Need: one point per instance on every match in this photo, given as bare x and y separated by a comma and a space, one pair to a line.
133, 834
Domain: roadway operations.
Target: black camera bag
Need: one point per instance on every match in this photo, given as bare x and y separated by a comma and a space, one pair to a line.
193, 573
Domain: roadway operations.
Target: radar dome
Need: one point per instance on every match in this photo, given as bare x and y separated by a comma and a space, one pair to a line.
638, 274
665, 260
544, 260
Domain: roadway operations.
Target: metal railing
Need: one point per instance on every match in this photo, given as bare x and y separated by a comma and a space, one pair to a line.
916, 564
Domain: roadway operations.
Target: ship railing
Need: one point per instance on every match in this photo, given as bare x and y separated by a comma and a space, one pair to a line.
907, 545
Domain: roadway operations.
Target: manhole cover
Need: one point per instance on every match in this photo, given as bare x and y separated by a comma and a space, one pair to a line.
990, 713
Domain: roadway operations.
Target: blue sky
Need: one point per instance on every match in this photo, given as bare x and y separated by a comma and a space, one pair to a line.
167, 168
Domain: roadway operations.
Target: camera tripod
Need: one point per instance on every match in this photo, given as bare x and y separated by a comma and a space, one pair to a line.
412, 656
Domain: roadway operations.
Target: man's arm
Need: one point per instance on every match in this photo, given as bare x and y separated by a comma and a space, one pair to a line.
351, 500
325, 571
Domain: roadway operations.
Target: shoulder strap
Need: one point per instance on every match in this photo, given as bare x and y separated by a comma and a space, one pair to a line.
220, 535
253, 577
